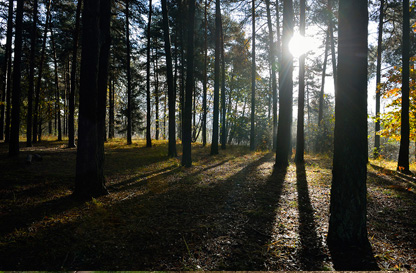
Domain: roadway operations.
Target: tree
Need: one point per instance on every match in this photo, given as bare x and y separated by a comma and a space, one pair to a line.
286, 90
128, 71
347, 223
149, 21
403, 162
169, 77
187, 119
93, 81
223, 108
214, 145
253, 75
15, 121
300, 138
71, 116
205, 77
31, 75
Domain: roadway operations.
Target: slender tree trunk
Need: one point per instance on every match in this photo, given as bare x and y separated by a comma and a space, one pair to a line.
7, 72
94, 71
403, 162
223, 106
186, 158
57, 92
148, 125
278, 59
214, 145
253, 76
171, 92
31, 76
71, 116
129, 98
205, 78
286, 90
111, 107
378, 80
157, 96
36, 115
15, 121
347, 223
300, 137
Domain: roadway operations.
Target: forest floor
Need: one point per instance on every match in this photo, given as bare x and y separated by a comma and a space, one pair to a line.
231, 211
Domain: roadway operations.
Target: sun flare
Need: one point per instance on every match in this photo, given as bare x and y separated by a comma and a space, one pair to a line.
300, 45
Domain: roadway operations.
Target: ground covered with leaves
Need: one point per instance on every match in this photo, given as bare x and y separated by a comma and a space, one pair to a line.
231, 211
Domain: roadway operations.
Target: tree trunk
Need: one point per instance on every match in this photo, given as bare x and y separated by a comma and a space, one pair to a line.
214, 145
278, 59
403, 162
36, 114
347, 223
94, 71
286, 90
71, 116
156, 96
378, 80
253, 76
300, 137
148, 113
57, 93
171, 92
7, 71
205, 78
186, 158
15, 118
129, 98
31, 76
223, 111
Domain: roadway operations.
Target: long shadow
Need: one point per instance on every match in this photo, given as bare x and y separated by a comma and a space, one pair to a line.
408, 180
311, 253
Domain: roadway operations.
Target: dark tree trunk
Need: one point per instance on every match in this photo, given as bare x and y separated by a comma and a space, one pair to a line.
286, 90
223, 106
171, 92
31, 76
129, 98
214, 145
205, 78
186, 158
347, 223
272, 61
7, 71
378, 80
71, 116
148, 113
94, 71
36, 114
253, 76
403, 163
15, 121
300, 137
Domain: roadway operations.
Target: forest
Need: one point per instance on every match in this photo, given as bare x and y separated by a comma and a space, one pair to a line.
184, 135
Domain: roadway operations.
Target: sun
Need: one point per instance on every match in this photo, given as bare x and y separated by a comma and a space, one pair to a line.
300, 45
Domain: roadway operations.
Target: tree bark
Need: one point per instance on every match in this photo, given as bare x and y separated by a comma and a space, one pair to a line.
15, 118
214, 145
171, 92
253, 77
403, 162
300, 137
286, 90
347, 223
187, 126
90, 178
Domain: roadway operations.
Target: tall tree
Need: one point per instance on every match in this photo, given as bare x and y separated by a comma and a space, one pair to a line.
57, 91
5, 113
15, 121
278, 59
187, 118
128, 71
149, 21
403, 162
300, 137
223, 108
378, 80
31, 75
286, 90
214, 145
36, 115
205, 77
71, 116
347, 223
253, 76
171, 92
272, 61
94, 69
